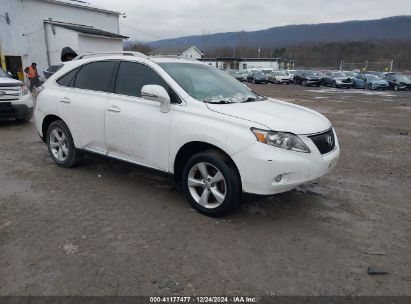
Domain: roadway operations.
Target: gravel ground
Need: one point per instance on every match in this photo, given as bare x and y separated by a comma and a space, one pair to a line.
110, 228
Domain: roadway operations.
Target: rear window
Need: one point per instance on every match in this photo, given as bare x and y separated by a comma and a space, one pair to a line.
95, 76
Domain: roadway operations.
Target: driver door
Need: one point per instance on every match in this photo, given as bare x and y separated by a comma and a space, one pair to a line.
136, 130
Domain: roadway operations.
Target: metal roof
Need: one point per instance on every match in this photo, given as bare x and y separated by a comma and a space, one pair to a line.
88, 30
80, 5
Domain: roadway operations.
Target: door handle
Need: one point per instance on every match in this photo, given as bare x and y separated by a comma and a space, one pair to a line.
114, 109
65, 100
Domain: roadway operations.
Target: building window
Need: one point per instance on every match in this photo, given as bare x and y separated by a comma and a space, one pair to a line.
244, 66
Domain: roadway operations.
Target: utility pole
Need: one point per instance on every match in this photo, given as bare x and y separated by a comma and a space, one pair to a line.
391, 65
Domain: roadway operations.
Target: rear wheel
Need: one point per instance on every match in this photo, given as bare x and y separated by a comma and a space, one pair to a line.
60, 145
211, 183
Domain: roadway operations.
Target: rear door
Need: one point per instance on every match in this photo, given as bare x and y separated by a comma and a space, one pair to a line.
82, 104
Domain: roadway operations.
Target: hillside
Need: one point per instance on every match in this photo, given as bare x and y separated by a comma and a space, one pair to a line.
392, 28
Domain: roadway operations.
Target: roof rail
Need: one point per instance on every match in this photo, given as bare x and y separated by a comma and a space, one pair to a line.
124, 53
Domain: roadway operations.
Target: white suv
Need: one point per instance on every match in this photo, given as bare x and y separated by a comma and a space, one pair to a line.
16, 101
216, 136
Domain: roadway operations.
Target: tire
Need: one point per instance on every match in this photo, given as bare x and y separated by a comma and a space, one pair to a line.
60, 145
334, 85
228, 189
254, 81
396, 88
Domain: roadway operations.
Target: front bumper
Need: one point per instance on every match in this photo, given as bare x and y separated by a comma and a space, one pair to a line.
17, 111
345, 84
261, 164
375, 86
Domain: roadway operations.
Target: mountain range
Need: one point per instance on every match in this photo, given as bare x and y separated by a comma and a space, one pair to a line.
391, 28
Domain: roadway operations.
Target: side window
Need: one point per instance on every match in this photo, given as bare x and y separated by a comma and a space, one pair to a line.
133, 76
95, 76
68, 79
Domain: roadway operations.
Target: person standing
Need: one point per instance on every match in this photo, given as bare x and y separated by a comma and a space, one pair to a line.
33, 76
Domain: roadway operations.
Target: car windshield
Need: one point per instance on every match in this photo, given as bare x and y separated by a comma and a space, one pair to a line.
267, 71
349, 74
281, 73
308, 73
339, 74
402, 78
209, 84
373, 77
259, 73
3, 74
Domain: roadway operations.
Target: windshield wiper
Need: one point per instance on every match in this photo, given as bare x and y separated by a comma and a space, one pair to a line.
222, 101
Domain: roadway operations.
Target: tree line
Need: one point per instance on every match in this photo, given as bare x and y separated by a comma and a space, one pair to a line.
319, 55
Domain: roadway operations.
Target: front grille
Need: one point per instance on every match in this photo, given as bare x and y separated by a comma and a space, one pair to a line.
9, 93
325, 142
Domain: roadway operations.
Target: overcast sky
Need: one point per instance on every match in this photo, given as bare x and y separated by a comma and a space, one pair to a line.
160, 19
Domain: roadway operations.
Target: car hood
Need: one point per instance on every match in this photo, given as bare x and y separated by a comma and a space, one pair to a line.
276, 115
10, 81
342, 78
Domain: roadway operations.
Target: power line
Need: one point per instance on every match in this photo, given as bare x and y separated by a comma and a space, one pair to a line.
143, 32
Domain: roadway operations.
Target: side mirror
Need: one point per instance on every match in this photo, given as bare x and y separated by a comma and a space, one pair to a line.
157, 93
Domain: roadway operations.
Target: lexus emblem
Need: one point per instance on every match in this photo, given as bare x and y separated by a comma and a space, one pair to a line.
2, 93
330, 140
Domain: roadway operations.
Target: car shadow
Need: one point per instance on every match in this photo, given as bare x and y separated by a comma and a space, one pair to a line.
294, 203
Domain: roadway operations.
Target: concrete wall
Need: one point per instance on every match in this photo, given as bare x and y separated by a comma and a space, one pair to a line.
25, 36
57, 42
92, 44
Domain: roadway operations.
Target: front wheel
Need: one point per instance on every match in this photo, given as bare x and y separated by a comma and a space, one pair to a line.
211, 183
60, 145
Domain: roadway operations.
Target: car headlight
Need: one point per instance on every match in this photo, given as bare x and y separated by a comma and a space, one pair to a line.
281, 140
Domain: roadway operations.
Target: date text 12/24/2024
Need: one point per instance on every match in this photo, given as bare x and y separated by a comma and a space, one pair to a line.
236, 299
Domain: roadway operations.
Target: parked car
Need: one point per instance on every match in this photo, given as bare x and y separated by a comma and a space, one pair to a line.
244, 75
398, 82
369, 82
267, 71
214, 135
307, 78
257, 76
350, 74
280, 77
337, 79
236, 74
16, 101
291, 73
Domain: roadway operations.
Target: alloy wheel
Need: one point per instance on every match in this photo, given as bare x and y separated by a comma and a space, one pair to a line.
207, 185
58, 145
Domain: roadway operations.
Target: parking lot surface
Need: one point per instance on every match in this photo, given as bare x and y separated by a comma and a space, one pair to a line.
110, 228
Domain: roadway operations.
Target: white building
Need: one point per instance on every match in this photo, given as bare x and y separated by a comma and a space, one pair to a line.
233, 63
37, 30
186, 52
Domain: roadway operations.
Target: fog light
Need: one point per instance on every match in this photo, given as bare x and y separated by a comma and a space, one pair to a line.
278, 178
